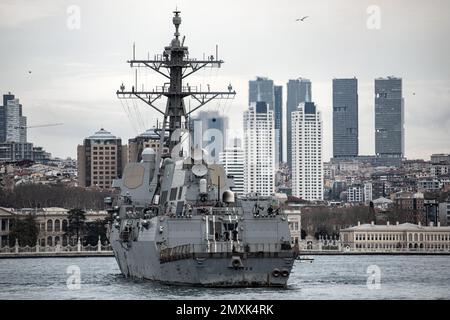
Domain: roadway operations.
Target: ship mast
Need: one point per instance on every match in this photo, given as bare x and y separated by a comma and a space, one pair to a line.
175, 65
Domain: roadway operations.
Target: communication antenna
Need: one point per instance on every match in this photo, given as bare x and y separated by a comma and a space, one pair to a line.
175, 65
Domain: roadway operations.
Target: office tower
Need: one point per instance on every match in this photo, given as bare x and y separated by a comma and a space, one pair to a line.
13, 131
148, 139
298, 91
232, 159
16, 130
211, 128
389, 118
6, 98
307, 165
345, 118
278, 112
259, 149
101, 159
261, 89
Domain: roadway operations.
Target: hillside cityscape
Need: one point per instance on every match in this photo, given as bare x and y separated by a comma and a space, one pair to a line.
325, 195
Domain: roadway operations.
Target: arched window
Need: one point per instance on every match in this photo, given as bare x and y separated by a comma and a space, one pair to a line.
57, 225
49, 241
64, 240
410, 237
49, 225
42, 242
415, 236
57, 240
64, 225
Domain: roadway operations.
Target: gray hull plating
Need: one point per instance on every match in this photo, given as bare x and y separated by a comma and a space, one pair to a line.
140, 263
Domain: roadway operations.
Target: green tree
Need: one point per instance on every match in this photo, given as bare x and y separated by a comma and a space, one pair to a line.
77, 223
25, 230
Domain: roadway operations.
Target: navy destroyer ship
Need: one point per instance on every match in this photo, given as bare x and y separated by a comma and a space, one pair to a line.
175, 219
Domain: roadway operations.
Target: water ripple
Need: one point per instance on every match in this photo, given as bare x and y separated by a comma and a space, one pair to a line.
328, 277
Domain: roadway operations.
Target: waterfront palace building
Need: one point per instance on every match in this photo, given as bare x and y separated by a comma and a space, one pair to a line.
52, 223
405, 236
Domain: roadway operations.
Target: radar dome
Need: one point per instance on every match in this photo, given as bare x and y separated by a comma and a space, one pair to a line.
228, 196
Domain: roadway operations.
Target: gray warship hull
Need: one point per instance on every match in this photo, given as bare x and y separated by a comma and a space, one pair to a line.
207, 265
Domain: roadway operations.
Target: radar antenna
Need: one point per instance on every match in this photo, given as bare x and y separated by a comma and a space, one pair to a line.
175, 65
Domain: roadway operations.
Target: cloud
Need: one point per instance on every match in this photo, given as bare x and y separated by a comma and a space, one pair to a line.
14, 13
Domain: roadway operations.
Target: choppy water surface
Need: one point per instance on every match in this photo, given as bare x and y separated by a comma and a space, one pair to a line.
328, 277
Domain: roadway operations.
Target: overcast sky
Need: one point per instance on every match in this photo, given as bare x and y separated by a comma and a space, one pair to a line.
75, 72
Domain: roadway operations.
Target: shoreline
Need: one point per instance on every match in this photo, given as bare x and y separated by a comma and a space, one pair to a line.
367, 253
57, 255
304, 253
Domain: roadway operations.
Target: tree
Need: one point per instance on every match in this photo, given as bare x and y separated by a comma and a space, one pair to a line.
303, 234
77, 223
25, 230
96, 229
39, 196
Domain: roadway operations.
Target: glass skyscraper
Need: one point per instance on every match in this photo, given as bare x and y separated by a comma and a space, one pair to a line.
389, 118
345, 118
261, 89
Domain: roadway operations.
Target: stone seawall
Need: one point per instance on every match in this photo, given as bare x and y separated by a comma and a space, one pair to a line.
57, 254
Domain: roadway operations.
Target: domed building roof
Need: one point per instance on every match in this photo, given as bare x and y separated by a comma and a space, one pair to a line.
150, 133
102, 134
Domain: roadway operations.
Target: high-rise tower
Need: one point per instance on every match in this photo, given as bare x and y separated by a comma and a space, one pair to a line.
307, 165
345, 118
259, 149
278, 113
298, 91
389, 118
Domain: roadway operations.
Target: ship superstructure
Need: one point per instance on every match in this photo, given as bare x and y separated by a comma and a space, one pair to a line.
176, 219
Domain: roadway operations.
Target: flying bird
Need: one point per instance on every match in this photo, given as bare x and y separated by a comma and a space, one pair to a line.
29, 71
301, 19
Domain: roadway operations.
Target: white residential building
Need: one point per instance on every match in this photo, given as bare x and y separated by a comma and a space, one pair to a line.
232, 159
307, 165
355, 194
259, 149
359, 193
